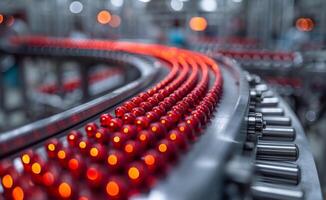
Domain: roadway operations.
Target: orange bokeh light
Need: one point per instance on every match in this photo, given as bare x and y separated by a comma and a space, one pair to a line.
7, 181
26, 159
18, 193
112, 159
142, 137
173, 136
94, 152
133, 173
198, 23
64, 190
98, 135
51, 147
116, 139
149, 160
104, 17
129, 148
162, 148
112, 188
82, 145
61, 154
304, 24
1, 18
36, 168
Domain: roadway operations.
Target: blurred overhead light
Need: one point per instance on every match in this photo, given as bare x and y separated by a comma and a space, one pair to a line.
176, 5
237, 1
104, 17
144, 1
76, 7
198, 23
208, 5
117, 3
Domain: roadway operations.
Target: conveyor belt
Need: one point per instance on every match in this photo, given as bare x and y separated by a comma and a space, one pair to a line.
188, 136
169, 124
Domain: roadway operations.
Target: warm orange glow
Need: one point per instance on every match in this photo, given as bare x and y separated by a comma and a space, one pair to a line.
51, 147
18, 193
94, 152
73, 164
98, 135
133, 173
198, 23
104, 17
36, 168
142, 137
82, 198
82, 145
138, 122
115, 21
61, 154
129, 148
7, 181
173, 136
1, 18
64, 190
112, 159
154, 128
163, 121
112, 188
126, 130
92, 174
149, 160
71, 137
26, 159
162, 148
182, 129
89, 128
116, 139
48, 179
304, 24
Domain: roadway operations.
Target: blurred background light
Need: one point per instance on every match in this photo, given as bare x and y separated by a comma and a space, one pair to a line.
76, 7
198, 23
115, 21
104, 17
208, 5
304, 24
176, 5
117, 3
144, 1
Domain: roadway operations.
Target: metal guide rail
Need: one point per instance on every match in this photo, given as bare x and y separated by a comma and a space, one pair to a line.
284, 165
16, 139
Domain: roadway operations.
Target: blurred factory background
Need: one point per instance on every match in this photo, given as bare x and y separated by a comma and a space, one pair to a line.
246, 30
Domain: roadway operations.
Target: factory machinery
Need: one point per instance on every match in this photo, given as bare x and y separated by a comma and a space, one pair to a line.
188, 126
